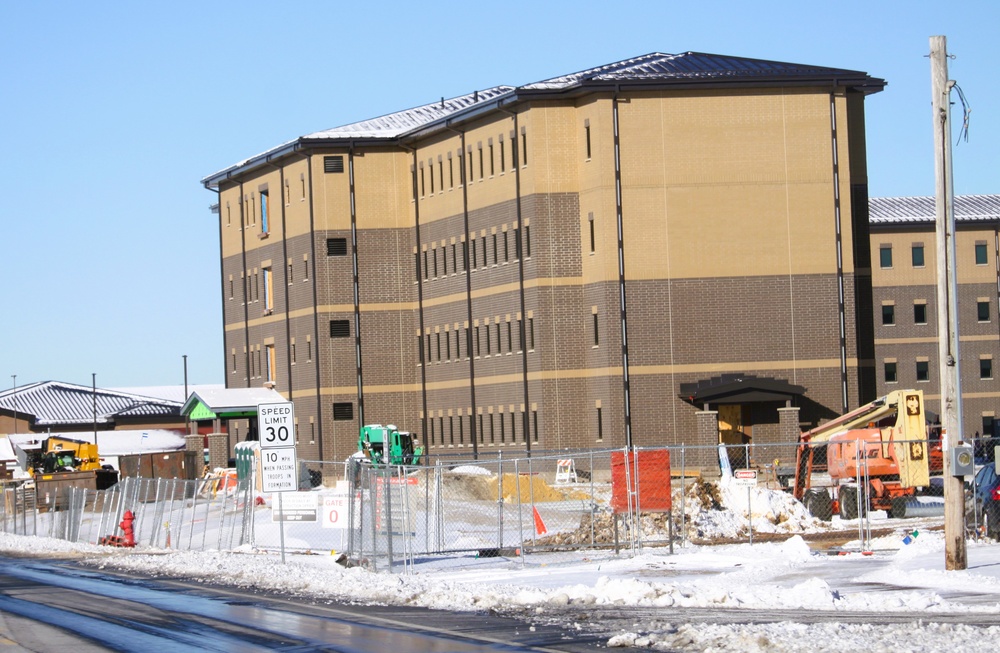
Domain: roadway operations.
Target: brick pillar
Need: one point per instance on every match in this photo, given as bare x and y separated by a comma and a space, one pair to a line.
706, 456
218, 450
196, 445
788, 425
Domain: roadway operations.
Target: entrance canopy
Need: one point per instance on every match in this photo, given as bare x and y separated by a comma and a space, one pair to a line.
739, 389
227, 403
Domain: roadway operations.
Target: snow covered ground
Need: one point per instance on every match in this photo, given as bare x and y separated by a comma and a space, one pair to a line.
897, 578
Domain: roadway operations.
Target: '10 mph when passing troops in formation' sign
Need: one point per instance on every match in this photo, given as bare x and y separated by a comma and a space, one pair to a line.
278, 467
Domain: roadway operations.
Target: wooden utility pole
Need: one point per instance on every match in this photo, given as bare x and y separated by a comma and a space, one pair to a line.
951, 407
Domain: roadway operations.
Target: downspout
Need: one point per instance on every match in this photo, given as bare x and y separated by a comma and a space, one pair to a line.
420, 299
841, 310
315, 284
284, 257
520, 279
468, 298
619, 216
246, 285
222, 287
357, 291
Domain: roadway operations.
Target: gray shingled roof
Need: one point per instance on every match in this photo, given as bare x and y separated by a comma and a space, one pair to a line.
908, 210
55, 402
652, 69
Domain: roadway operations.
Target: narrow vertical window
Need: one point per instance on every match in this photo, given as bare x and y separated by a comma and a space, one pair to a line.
430, 166
309, 349
422, 188
513, 427
517, 244
492, 430
441, 172
471, 172
420, 349
447, 343
444, 260
527, 240
520, 335
437, 340
461, 430
451, 430
485, 259
524, 147
586, 136
481, 166
416, 264
478, 348
472, 248
496, 258
510, 337
291, 273
531, 333
492, 168
503, 161
271, 362
430, 352
534, 425
451, 172
489, 348
593, 235
268, 291
454, 258
600, 424
597, 335
506, 248
426, 267
890, 371
923, 371
503, 429
499, 341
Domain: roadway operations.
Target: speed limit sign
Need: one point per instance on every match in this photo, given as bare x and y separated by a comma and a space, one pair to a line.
276, 423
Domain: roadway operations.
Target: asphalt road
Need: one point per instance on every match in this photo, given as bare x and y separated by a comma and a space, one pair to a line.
53, 606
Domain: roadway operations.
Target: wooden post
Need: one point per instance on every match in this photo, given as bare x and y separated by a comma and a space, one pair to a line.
951, 409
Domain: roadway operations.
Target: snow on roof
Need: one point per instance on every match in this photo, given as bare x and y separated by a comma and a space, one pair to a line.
169, 392
228, 399
111, 443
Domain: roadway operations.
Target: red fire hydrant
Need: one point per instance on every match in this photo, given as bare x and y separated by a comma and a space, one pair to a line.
127, 540
126, 527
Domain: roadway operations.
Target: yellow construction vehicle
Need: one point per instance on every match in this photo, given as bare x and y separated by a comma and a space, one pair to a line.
62, 463
65, 455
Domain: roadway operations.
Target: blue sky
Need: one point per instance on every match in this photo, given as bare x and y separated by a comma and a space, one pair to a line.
113, 112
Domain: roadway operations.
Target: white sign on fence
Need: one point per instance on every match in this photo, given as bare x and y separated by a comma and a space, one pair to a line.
297, 506
335, 509
278, 470
745, 477
276, 424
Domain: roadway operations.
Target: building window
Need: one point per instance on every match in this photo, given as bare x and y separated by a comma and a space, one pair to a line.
481, 167
472, 249
885, 256
451, 171
980, 253
534, 425
503, 161
268, 291
597, 335
309, 349
920, 313
291, 274
293, 350
890, 371
985, 368
263, 212
506, 248
503, 429
513, 427
510, 337
489, 347
517, 244
888, 314
272, 362
478, 348
586, 136
492, 430
593, 235
600, 424
465, 256
336, 247
917, 254
499, 341
496, 257
437, 341
340, 328
983, 310
343, 411
333, 164
485, 258
527, 240
531, 334
454, 258
923, 371
492, 167
524, 147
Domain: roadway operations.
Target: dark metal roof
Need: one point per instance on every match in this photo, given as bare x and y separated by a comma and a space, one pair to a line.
915, 210
701, 67
647, 71
738, 389
52, 403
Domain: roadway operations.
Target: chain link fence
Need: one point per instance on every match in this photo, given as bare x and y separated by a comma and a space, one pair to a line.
210, 513
513, 507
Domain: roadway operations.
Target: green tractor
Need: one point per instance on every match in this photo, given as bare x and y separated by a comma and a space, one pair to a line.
387, 445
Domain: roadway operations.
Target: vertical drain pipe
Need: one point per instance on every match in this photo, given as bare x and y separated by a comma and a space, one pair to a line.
621, 273
841, 310
357, 291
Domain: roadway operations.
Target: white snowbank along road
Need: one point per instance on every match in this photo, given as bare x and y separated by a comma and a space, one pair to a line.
691, 600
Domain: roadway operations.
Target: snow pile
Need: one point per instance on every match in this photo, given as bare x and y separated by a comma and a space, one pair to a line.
720, 511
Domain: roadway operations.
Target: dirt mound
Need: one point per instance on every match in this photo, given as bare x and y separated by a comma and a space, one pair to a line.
513, 488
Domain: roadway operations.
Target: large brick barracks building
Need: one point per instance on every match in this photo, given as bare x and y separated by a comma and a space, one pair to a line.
667, 249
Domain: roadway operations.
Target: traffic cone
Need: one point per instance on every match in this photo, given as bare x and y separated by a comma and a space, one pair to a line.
539, 524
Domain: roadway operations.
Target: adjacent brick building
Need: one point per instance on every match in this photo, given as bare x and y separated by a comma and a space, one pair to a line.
667, 249
903, 243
